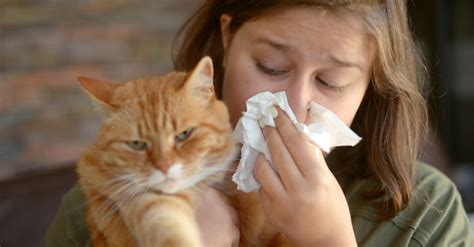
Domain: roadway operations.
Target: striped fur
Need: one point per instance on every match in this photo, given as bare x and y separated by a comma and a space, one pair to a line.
147, 197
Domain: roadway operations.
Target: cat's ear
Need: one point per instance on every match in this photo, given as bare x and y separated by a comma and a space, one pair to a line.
101, 91
200, 79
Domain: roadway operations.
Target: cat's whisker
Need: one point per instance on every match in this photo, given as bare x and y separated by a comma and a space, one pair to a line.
109, 182
115, 177
109, 207
102, 187
127, 194
134, 196
118, 184
110, 193
117, 193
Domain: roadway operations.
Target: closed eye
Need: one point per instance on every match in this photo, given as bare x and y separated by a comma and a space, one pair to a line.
270, 71
329, 86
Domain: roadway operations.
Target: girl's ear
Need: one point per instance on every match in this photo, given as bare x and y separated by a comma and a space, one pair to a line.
100, 91
199, 81
225, 21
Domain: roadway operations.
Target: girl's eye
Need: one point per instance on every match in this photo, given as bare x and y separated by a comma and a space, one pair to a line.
137, 145
328, 86
270, 71
183, 135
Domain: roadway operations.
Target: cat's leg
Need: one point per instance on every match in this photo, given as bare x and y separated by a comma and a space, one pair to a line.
162, 220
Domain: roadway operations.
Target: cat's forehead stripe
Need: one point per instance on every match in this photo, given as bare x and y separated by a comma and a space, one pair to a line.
210, 126
154, 116
139, 130
147, 119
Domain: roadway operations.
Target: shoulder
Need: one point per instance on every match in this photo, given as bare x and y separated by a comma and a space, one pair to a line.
435, 212
428, 175
433, 188
68, 227
433, 216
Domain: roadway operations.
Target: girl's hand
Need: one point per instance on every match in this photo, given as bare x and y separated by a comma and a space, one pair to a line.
303, 199
218, 221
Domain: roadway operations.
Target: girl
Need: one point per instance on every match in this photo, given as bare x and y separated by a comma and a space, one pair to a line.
355, 58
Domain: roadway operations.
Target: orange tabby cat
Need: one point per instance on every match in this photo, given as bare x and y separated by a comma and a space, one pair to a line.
255, 229
163, 140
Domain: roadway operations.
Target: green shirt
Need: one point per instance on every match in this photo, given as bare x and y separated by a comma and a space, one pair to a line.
434, 216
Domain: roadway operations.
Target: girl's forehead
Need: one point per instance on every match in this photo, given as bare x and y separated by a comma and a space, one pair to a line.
312, 32
309, 16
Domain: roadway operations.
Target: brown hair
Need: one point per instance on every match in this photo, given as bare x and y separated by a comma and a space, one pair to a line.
393, 115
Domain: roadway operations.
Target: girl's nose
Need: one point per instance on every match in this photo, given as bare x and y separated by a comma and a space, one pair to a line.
300, 94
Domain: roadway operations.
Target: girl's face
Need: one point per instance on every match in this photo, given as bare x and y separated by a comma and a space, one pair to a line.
310, 53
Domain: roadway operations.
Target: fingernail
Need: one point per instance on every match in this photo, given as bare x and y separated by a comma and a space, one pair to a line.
261, 123
273, 112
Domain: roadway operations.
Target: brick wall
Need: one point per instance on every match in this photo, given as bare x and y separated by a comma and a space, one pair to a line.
45, 120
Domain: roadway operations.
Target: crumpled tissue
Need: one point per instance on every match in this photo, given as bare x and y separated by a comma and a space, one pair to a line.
325, 130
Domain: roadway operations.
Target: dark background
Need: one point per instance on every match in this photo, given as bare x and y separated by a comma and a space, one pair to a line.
445, 32
46, 121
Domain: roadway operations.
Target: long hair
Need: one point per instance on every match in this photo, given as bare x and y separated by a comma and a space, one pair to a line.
393, 116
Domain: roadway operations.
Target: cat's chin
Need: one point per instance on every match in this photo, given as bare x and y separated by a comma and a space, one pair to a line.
165, 191
168, 187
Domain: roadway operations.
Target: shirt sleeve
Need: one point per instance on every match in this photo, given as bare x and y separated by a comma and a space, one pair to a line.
443, 219
68, 227
434, 216
452, 227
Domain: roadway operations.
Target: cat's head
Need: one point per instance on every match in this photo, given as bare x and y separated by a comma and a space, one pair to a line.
165, 133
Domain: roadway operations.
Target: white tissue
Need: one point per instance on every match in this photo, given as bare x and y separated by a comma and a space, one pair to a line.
325, 130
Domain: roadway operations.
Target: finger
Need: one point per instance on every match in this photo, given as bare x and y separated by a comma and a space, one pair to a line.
265, 199
268, 206
302, 152
282, 159
267, 177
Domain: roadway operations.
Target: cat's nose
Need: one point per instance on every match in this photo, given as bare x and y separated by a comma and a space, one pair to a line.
164, 165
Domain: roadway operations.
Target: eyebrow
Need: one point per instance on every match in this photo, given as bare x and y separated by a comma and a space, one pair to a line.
343, 63
273, 43
286, 48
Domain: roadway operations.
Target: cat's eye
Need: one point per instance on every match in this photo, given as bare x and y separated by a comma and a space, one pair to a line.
183, 135
137, 145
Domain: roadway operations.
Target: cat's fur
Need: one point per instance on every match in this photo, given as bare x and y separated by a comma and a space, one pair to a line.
255, 229
163, 139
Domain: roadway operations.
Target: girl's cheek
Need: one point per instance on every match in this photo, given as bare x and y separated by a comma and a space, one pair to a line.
235, 106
